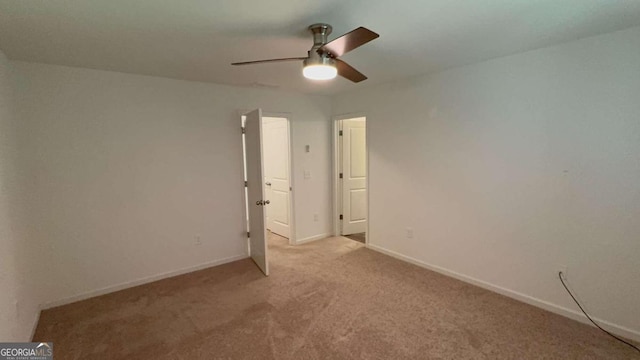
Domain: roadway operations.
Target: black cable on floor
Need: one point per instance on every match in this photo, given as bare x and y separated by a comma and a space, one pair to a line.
589, 317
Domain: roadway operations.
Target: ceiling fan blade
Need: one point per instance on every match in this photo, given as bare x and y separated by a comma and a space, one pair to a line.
268, 61
346, 71
349, 41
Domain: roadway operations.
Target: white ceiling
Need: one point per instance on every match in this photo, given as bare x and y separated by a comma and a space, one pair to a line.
197, 39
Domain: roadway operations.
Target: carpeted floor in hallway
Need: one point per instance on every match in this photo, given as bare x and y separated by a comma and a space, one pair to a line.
330, 299
360, 237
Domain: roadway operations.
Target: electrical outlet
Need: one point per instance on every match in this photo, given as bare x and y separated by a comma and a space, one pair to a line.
563, 269
409, 233
198, 240
316, 217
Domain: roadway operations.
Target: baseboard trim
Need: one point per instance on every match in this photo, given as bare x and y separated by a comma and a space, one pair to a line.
145, 280
560, 310
312, 238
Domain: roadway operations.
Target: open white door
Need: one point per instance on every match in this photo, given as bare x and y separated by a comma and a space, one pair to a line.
354, 176
255, 190
276, 173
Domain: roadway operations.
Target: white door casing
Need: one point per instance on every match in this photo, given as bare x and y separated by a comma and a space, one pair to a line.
255, 190
354, 176
276, 176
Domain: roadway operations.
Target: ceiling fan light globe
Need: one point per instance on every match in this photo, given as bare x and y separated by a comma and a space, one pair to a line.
320, 72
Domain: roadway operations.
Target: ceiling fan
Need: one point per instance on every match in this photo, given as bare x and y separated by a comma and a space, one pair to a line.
322, 61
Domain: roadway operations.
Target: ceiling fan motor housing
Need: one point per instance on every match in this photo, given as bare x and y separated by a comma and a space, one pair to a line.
320, 34
318, 59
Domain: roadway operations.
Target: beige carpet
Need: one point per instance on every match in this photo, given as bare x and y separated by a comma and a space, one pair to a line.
331, 299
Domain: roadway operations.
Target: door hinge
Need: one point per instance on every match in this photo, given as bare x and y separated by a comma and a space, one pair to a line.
340, 133
340, 216
340, 175
245, 184
248, 234
244, 130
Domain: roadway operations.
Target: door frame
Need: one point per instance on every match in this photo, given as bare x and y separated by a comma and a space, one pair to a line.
337, 185
292, 228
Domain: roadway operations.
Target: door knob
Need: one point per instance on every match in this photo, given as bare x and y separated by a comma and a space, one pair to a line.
267, 202
267, 183
259, 202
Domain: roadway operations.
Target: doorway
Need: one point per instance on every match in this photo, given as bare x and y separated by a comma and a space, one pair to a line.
268, 187
277, 174
351, 180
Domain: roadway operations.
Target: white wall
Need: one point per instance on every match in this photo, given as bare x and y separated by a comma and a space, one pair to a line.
509, 168
18, 258
126, 170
